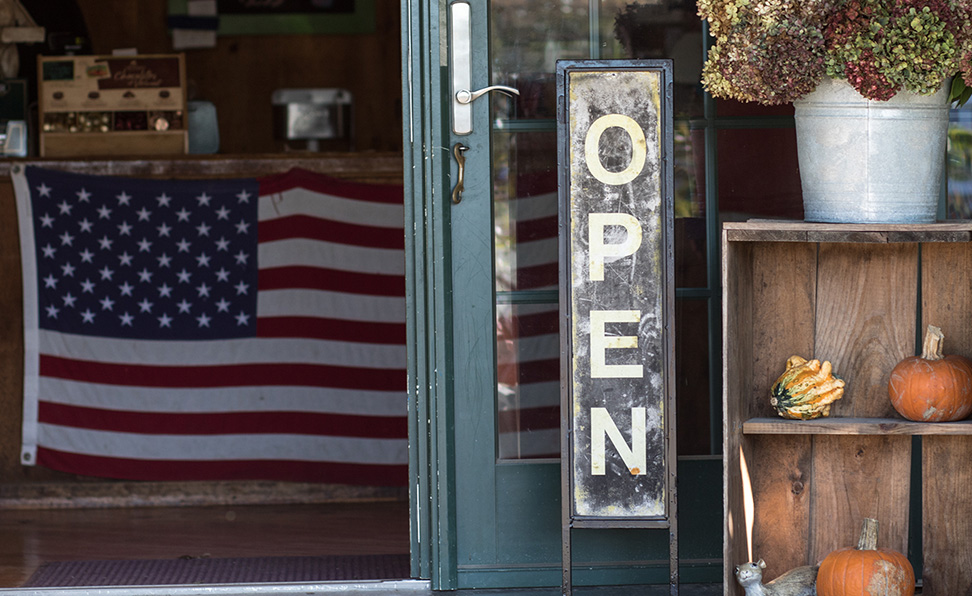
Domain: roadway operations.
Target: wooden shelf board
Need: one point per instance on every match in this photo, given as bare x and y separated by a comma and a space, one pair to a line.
853, 426
801, 231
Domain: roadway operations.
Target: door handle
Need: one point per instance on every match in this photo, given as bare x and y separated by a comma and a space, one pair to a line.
458, 149
465, 96
461, 49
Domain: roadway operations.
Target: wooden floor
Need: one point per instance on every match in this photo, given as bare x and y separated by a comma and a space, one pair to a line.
29, 538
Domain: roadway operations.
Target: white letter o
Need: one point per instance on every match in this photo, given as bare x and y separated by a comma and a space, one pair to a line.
639, 149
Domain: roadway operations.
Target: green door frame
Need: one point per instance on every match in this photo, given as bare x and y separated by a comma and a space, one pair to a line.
443, 392
428, 307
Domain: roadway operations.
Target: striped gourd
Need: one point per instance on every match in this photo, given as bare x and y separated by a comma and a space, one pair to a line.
806, 389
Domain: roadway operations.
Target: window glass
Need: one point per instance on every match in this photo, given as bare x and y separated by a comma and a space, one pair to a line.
758, 174
692, 377
960, 163
528, 378
525, 210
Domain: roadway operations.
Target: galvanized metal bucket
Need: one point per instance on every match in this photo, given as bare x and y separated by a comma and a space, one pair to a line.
865, 161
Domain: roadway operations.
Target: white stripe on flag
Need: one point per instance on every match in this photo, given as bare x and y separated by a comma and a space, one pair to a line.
300, 201
336, 305
288, 447
535, 207
536, 252
222, 352
330, 255
25, 221
535, 395
315, 400
530, 349
535, 443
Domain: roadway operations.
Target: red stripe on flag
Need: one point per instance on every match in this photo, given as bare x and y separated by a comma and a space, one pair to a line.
318, 278
298, 178
541, 182
537, 324
530, 371
525, 419
224, 423
306, 226
537, 276
166, 470
541, 228
291, 375
332, 329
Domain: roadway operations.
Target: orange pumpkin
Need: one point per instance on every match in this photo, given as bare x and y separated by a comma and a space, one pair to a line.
932, 387
866, 570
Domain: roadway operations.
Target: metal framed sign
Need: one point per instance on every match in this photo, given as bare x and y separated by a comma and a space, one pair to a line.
616, 295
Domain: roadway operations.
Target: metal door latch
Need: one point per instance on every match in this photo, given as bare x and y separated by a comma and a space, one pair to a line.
457, 150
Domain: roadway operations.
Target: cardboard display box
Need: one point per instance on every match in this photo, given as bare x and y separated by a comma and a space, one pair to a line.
112, 105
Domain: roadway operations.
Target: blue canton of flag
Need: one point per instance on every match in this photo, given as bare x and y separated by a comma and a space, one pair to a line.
160, 259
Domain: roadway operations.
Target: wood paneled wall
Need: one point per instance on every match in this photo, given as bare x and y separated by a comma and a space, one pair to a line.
240, 74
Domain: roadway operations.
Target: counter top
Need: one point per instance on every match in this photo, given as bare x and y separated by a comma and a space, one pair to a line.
364, 167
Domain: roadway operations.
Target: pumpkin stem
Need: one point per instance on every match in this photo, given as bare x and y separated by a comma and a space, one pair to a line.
931, 349
869, 535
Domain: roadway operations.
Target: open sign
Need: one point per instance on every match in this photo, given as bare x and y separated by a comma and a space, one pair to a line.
617, 292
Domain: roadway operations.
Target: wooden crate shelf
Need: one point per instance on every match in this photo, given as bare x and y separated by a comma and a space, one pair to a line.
853, 426
859, 296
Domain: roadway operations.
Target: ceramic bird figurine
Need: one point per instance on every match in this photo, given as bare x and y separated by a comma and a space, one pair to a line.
800, 581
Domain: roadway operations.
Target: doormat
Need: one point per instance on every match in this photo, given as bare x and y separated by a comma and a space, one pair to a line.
183, 571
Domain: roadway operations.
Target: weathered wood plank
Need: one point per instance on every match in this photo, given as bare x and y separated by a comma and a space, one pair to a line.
763, 235
782, 473
775, 282
866, 304
946, 523
734, 545
784, 296
946, 531
737, 281
360, 167
946, 298
776, 231
946, 476
867, 299
854, 426
855, 478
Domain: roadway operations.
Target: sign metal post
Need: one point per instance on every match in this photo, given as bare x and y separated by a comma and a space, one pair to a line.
615, 147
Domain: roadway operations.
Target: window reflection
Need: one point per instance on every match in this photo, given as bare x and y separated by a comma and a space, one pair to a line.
650, 30
528, 361
692, 377
758, 174
528, 37
960, 163
525, 210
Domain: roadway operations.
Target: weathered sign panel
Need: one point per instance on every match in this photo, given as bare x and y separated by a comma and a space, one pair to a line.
617, 292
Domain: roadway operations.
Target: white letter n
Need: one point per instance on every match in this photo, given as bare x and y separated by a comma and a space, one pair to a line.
635, 458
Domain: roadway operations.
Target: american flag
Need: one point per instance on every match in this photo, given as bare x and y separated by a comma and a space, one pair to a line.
213, 329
